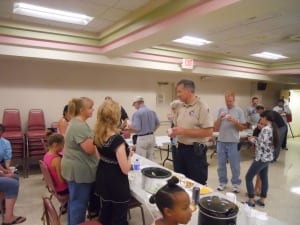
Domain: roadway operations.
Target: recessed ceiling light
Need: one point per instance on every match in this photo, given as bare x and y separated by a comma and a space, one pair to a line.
50, 14
269, 55
192, 41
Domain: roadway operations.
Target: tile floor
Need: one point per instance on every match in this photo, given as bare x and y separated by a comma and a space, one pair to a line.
283, 201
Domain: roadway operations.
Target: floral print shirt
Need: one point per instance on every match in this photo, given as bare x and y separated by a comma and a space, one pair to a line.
264, 145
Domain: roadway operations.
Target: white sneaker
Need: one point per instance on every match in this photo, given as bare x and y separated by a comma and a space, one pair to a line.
221, 187
236, 189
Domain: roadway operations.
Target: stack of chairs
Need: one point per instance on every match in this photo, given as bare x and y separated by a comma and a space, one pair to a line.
13, 133
36, 133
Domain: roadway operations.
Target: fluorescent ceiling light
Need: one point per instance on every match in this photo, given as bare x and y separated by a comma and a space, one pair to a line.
192, 41
269, 55
295, 190
50, 14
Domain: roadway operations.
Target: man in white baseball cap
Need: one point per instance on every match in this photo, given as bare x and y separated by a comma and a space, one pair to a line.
144, 124
137, 99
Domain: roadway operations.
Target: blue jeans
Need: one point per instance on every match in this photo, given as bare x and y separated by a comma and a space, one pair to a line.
79, 194
228, 151
10, 186
261, 168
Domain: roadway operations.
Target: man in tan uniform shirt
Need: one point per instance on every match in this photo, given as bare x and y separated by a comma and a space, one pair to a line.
193, 127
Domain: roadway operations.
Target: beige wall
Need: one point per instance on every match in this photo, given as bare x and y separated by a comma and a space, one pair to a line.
295, 109
26, 84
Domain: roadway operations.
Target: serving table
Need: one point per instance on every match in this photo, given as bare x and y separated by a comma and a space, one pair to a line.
135, 179
244, 134
163, 143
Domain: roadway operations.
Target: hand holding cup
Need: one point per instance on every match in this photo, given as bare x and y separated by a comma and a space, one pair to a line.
223, 115
170, 131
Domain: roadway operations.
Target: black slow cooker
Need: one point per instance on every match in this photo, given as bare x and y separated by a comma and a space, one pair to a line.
214, 210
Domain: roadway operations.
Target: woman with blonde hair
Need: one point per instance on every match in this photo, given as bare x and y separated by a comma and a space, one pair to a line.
115, 161
79, 163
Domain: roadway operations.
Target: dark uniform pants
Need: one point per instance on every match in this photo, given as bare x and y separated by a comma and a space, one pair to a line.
191, 164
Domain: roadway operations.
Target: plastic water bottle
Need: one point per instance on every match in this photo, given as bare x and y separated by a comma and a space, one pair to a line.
136, 164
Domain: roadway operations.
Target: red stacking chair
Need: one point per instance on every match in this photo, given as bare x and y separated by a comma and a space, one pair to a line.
13, 132
133, 203
50, 186
51, 218
36, 131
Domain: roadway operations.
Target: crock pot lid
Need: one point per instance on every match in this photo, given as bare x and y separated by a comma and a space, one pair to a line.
217, 205
156, 172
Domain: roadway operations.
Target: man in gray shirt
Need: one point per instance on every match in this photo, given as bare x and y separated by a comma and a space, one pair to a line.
144, 124
230, 121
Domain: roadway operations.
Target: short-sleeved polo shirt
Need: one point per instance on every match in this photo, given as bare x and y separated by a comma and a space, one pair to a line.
196, 115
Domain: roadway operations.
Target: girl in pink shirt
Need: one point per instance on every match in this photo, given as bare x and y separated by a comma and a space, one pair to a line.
53, 161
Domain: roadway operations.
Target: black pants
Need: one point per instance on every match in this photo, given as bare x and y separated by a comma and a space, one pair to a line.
285, 138
190, 164
94, 202
174, 155
113, 213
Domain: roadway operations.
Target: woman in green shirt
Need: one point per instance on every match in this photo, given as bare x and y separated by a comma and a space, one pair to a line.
79, 163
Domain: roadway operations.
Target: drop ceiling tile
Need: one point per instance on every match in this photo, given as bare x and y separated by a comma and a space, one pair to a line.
114, 14
130, 5
102, 2
6, 7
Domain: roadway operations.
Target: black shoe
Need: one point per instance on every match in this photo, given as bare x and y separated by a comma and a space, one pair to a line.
92, 216
250, 204
260, 203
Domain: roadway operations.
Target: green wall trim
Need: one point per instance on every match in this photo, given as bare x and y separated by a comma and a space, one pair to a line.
48, 36
283, 65
136, 21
